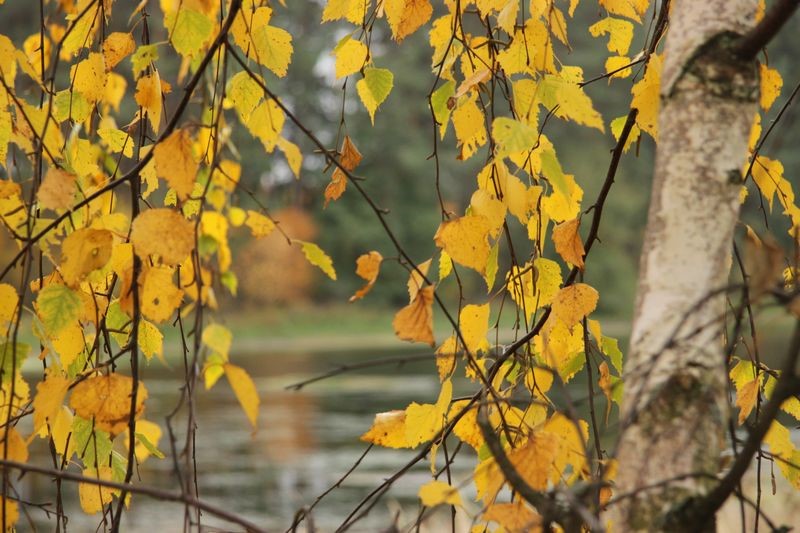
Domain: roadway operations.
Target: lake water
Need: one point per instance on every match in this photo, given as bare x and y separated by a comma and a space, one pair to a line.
306, 440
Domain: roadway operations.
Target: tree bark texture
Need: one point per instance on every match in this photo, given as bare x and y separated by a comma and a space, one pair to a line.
675, 402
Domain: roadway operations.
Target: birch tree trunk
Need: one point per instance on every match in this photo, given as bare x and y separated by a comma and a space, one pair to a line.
675, 402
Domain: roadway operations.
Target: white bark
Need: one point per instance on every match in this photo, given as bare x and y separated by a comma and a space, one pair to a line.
675, 403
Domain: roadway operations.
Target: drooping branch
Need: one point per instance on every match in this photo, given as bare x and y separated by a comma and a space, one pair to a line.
748, 46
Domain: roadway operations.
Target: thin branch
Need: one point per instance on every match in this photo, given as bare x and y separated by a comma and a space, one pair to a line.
152, 492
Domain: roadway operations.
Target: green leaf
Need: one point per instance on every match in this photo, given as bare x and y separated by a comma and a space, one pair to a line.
230, 281
149, 445
439, 103
374, 88
8, 364
143, 56
57, 306
610, 347
92, 445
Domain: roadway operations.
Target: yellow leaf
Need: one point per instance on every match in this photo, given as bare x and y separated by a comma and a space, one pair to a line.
530, 51
57, 190
84, 251
619, 65
89, 77
351, 10
8, 305
107, 400
160, 296
616, 129
562, 94
317, 257
414, 322
416, 279
17, 448
786, 454
162, 232
260, 225
568, 242
388, 430
633, 9
406, 16
470, 129
151, 340
485, 204
271, 46
175, 163
11, 515
619, 31
69, 343
218, 338
534, 285
189, 30
265, 123
436, 493
474, 324
446, 357
116, 47
424, 421
294, 157
573, 303
512, 136
245, 391
368, 267
768, 175
350, 56
466, 241
445, 265
94, 497
61, 432
117, 141
374, 88
771, 83
646, 96
50, 395
144, 429
148, 95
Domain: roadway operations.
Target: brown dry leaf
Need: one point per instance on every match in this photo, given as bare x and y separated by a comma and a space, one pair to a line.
57, 190
163, 232
175, 162
350, 157
84, 251
414, 322
763, 263
107, 400
368, 266
515, 517
746, 399
335, 189
568, 242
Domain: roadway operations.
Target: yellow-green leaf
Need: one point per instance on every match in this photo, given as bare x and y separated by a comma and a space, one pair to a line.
374, 88
317, 257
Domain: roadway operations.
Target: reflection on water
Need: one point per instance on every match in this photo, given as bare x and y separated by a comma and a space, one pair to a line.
306, 440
